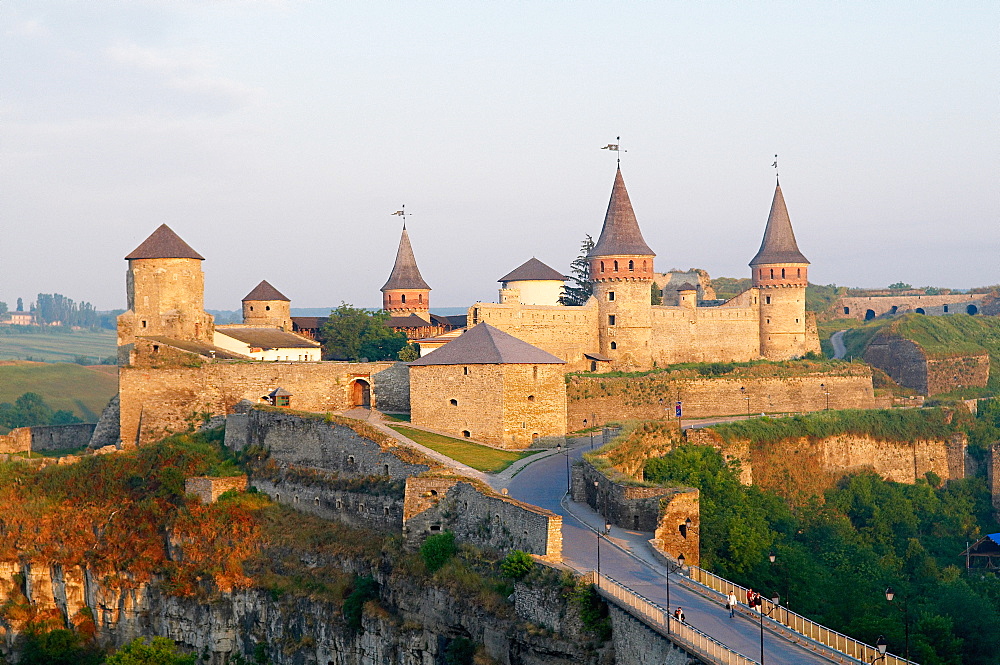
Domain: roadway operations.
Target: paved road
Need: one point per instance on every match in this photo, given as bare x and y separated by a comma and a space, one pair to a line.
543, 483
837, 340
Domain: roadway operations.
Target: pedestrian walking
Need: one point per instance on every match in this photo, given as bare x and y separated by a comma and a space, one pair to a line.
679, 614
731, 604
750, 598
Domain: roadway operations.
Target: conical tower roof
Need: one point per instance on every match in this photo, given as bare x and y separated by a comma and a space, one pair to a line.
163, 243
265, 291
405, 274
532, 269
779, 244
485, 345
621, 234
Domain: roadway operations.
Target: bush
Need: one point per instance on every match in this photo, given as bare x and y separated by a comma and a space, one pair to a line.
365, 589
517, 564
593, 612
56, 647
460, 651
159, 651
437, 550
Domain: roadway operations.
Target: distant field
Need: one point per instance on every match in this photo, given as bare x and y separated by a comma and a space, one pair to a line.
83, 390
62, 346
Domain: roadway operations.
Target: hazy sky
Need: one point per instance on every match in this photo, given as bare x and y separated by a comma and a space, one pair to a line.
278, 137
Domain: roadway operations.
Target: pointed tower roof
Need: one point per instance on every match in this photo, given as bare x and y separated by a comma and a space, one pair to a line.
485, 345
265, 291
779, 244
621, 234
532, 269
405, 274
163, 243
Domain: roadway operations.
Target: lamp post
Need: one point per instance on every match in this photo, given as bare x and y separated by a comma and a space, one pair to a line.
880, 647
607, 530
826, 392
671, 569
772, 557
889, 596
775, 600
743, 391
559, 450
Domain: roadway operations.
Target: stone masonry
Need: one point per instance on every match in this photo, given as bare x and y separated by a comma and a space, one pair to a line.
210, 488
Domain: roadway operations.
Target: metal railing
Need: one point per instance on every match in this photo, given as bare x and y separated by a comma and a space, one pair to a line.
796, 622
660, 620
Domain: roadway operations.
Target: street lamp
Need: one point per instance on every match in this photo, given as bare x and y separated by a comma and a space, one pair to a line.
826, 392
889, 595
743, 391
559, 450
880, 646
772, 557
672, 568
607, 530
775, 603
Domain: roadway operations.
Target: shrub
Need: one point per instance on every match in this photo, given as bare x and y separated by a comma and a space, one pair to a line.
460, 651
159, 651
517, 564
437, 550
365, 589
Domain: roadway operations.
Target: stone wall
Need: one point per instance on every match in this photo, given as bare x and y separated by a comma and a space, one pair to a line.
108, 430
636, 643
210, 488
664, 511
363, 509
46, 437
600, 399
392, 389
476, 515
297, 440
155, 401
857, 307
909, 366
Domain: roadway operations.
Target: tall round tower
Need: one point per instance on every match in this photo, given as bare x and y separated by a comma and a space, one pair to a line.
266, 307
781, 273
621, 271
406, 291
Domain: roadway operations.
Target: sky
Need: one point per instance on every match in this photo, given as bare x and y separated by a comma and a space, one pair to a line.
278, 137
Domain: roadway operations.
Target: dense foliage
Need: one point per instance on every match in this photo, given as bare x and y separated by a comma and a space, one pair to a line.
836, 556
354, 334
579, 288
30, 410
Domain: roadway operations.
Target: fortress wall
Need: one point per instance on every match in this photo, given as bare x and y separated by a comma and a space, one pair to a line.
602, 399
166, 399
909, 366
312, 442
947, 374
534, 405
478, 395
705, 334
565, 332
380, 512
858, 306
46, 437
434, 505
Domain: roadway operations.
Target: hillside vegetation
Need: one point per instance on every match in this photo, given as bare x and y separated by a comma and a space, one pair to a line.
84, 391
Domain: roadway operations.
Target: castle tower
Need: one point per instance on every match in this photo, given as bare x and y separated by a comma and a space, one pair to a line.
406, 291
621, 270
266, 307
781, 273
165, 287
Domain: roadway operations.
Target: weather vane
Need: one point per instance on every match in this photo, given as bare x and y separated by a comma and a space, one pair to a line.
614, 147
775, 165
402, 213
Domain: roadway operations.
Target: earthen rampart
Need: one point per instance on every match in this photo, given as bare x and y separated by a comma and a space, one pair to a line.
600, 399
906, 362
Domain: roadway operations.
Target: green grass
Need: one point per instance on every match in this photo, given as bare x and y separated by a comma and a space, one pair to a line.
83, 390
56, 345
398, 417
481, 458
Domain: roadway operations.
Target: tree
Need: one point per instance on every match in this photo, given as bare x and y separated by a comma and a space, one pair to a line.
655, 294
900, 286
351, 333
159, 651
580, 288
20, 305
56, 647
3, 308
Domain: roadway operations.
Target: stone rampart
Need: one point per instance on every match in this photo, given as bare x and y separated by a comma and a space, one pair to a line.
906, 362
600, 399
363, 509
672, 514
155, 401
337, 446
476, 515
210, 488
636, 643
46, 437
869, 307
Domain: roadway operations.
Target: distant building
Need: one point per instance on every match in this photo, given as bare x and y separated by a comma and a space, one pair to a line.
267, 343
532, 283
20, 318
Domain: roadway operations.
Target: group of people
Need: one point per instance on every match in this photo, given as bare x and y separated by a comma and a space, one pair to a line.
753, 602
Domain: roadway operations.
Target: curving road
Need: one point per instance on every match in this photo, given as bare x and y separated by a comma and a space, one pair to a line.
544, 482
837, 340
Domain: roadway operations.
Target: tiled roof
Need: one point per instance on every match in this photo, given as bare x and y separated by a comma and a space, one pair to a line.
265, 291
532, 269
163, 243
620, 234
779, 244
268, 338
309, 322
201, 348
407, 321
687, 286
486, 345
405, 274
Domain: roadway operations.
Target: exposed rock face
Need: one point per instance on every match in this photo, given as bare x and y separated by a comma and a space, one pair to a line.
409, 624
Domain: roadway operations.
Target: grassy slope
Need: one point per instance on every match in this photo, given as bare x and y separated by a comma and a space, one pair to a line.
83, 390
482, 458
57, 345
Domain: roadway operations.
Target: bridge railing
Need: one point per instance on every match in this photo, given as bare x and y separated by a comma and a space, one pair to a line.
796, 622
660, 620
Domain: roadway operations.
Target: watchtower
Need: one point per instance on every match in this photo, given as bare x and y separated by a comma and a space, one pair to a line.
266, 307
781, 273
621, 271
406, 291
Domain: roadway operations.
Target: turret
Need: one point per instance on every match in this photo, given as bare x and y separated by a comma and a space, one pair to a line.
621, 270
165, 288
532, 283
266, 307
406, 291
687, 295
781, 273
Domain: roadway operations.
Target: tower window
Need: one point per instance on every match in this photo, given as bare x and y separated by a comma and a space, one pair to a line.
402, 298
602, 266
465, 371
534, 372
251, 308
267, 308
611, 319
767, 300
847, 310
453, 402
644, 266
614, 345
631, 266
616, 266
420, 298
531, 398
143, 324
611, 295
467, 434
772, 273
798, 272
782, 273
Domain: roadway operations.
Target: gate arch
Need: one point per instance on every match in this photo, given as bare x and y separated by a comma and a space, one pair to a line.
361, 394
